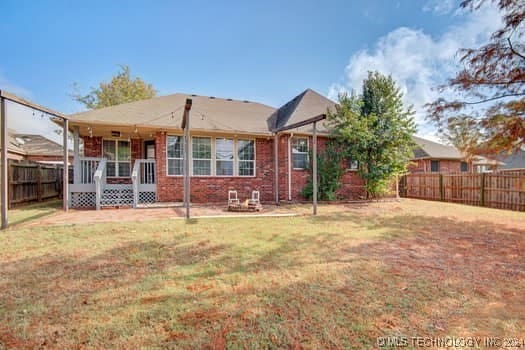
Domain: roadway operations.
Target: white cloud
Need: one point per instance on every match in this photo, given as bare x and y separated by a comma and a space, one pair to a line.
417, 61
439, 7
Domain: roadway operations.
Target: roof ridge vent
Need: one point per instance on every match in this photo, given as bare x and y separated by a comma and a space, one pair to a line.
193, 95
212, 97
229, 99
246, 101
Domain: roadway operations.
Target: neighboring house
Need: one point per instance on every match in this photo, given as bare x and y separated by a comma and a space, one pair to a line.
433, 157
32, 147
515, 161
134, 151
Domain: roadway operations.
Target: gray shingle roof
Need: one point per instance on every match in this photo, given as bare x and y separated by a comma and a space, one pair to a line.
514, 161
208, 113
430, 149
306, 105
39, 145
211, 113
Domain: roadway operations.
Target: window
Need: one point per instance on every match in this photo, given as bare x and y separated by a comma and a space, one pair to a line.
118, 154
352, 164
175, 149
434, 166
299, 152
201, 153
246, 156
464, 167
224, 157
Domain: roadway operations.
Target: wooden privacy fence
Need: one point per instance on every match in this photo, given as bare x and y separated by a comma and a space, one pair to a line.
30, 182
493, 190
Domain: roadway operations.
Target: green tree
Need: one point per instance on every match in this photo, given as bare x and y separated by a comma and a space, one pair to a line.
121, 89
376, 130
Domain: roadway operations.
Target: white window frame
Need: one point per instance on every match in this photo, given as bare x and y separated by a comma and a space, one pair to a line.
211, 159
214, 158
168, 158
307, 150
239, 160
117, 176
351, 162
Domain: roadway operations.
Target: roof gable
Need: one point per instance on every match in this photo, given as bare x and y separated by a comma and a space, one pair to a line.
306, 105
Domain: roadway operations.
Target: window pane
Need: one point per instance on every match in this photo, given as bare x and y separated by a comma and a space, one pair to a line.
224, 149
108, 149
464, 166
110, 169
124, 151
299, 145
201, 167
246, 150
124, 169
175, 147
224, 168
434, 166
246, 168
201, 147
300, 160
352, 164
175, 167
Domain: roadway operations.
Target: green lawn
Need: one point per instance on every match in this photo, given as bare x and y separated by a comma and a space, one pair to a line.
339, 280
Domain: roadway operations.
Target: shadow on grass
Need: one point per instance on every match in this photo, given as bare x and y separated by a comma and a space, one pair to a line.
25, 213
419, 276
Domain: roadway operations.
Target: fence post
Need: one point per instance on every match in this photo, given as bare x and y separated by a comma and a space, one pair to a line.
441, 189
39, 183
482, 189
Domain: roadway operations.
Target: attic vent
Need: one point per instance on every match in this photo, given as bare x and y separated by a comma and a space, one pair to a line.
246, 101
229, 99
212, 97
115, 133
193, 95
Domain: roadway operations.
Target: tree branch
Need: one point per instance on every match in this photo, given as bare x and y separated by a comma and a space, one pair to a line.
514, 51
494, 98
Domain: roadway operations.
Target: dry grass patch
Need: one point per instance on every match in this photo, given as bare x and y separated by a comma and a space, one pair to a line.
336, 281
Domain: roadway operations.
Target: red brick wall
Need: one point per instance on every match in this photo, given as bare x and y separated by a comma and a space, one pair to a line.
445, 166
210, 189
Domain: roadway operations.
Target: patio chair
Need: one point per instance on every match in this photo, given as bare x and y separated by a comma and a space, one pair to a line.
254, 203
255, 198
233, 199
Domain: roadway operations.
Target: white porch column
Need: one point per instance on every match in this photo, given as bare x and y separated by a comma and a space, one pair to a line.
76, 156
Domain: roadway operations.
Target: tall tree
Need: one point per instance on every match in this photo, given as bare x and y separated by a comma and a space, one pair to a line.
121, 89
490, 87
377, 130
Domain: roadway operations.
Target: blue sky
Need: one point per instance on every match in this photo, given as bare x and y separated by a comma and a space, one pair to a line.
266, 51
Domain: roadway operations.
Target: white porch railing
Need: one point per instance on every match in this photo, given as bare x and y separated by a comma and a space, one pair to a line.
144, 182
100, 181
85, 170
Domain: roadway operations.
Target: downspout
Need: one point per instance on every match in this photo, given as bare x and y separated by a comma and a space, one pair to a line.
290, 167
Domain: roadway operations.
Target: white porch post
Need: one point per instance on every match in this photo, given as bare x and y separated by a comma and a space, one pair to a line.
76, 156
65, 178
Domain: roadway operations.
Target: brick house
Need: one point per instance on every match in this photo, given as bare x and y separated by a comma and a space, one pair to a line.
433, 157
133, 153
33, 148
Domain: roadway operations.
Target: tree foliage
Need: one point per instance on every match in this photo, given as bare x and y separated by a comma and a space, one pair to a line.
121, 89
376, 130
490, 87
330, 169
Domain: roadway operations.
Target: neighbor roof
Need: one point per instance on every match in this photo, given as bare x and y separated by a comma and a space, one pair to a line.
514, 161
207, 113
431, 149
39, 145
